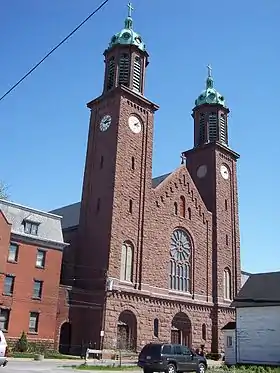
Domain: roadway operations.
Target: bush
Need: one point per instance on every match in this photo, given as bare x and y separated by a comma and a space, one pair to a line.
213, 356
22, 344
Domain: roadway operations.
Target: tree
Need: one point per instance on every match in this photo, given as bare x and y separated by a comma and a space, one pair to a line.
3, 191
22, 344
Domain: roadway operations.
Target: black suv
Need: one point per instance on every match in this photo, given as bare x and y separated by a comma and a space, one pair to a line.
170, 358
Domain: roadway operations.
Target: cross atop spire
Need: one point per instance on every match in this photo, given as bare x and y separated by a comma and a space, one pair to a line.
130, 9
209, 70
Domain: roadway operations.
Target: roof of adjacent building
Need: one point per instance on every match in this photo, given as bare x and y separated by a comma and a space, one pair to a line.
261, 289
71, 213
230, 326
49, 230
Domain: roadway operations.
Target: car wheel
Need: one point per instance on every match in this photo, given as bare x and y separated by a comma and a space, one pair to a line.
145, 370
171, 368
201, 368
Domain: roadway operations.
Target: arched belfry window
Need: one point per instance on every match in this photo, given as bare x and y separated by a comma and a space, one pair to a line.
180, 261
182, 206
227, 284
137, 74
212, 122
126, 261
202, 128
111, 73
124, 69
223, 131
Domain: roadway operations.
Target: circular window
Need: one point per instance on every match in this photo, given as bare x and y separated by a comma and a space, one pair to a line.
126, 35
180, 245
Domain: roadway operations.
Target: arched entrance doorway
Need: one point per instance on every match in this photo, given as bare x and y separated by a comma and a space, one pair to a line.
127, 331
65, 338
181, 329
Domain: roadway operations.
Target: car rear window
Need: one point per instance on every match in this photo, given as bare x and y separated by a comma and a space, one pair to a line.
151, 349
166, 350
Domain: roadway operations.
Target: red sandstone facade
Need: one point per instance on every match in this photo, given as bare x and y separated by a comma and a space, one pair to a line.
149, 259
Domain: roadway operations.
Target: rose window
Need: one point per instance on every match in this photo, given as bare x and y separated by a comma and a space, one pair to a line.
180, 246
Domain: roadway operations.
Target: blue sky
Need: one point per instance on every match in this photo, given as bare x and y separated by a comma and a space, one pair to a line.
44, 122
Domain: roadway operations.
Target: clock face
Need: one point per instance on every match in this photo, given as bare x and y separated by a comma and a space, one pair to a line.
105, 123
134, 124
201, 171
224, 172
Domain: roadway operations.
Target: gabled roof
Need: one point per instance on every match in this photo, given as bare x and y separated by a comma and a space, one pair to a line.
49, 225
71, 213
261, 289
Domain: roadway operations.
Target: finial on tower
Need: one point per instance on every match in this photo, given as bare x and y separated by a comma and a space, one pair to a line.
209, 81
130, 9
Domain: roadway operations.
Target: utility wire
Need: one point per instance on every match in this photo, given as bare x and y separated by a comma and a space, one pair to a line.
54, 49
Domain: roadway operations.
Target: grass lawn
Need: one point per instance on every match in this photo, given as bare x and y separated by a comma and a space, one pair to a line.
47, 355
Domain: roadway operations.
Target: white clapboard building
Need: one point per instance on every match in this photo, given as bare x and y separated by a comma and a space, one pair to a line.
255, 336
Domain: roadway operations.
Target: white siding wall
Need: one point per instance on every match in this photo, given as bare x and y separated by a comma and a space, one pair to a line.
229, 343
258, 335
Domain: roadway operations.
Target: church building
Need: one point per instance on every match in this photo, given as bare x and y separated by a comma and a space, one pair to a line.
151, 259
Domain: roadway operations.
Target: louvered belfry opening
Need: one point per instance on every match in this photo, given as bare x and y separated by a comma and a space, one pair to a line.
124, 67
137, 74
111, 73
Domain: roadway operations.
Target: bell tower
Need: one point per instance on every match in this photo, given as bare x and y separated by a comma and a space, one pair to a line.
212, 165
117, 176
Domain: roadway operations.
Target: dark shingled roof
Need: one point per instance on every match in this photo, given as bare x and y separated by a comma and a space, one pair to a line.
71, 213
261, 289
230, 326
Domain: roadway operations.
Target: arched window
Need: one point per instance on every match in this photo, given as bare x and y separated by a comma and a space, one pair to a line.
202, 128
156, 324
189, 213
137, 74
175, 208
227, 284
124, 69
126, 261
203, 330
212, 120
180, 261
182, 206
111, 73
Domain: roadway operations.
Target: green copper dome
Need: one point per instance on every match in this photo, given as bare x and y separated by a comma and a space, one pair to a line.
210, 95
127, 36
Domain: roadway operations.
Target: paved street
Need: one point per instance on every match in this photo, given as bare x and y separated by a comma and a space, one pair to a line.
37, 366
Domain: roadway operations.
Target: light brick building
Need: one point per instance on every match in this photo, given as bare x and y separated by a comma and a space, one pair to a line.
150, 259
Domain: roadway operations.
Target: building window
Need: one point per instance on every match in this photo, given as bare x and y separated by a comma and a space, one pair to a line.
189, 213
227, 284
4, 319
126, 261
31, 227
229, 341
37, 289
137, 72
111, 73
101, 161
203, 330
133, 163
41, 258
9, 285
175, 208
226, 204
98, 205
212, 120
124, 69
130, 206
33, 322
13, 253
182, 206
226, 239
180, 261
202, 128
223, 131
156, 328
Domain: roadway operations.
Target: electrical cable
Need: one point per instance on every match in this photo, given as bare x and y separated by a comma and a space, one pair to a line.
54, 49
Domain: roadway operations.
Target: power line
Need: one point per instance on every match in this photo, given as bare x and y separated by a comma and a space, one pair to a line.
54, 49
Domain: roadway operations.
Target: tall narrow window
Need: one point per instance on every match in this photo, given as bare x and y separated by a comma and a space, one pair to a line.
13, 253
189, 213
180, 261
137, 74
101, 161
182, 206
33, 322
202, 128
111, 73
212, 122
156, 327
175, 208
126, 262
203, 329
132, 163
5, 318
40, 258
9, 285
98, 205
227, 284
226, 239
124, 69
37, 289
223, 133
226, 205
130, 206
